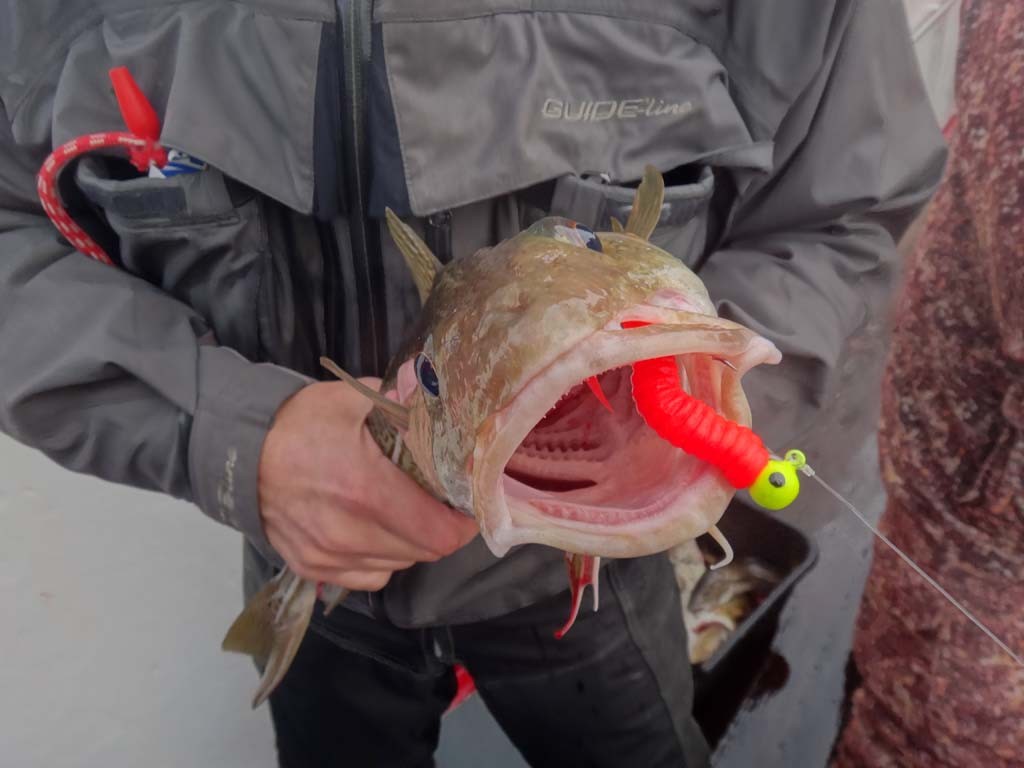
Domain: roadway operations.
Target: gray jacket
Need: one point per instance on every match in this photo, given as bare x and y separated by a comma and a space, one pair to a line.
795, 135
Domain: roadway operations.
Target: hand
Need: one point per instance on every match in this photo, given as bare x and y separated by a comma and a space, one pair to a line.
334, 507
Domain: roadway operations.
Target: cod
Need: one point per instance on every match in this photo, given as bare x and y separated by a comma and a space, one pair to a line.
512, 402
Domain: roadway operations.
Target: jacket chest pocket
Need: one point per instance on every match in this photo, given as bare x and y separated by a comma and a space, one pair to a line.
479, 99
197, 236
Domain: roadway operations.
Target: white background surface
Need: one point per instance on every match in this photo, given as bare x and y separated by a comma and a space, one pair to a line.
114, 601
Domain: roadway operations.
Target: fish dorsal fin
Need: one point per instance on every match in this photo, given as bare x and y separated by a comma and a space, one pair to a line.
617, 227
396, 413
647, 204
422, 262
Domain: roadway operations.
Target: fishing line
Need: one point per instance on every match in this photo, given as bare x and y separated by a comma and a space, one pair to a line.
807, 470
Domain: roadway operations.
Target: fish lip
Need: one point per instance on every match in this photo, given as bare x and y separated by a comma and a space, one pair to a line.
673, 332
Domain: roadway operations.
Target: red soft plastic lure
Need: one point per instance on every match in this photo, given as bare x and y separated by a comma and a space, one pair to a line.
692, 425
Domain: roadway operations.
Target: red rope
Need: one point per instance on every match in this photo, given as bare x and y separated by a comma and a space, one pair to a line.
140, 141
141, 152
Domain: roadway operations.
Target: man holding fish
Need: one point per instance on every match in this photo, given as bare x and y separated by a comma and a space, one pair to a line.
510, 304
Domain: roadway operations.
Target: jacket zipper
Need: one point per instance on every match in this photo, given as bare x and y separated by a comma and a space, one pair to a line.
355, 17
334, 318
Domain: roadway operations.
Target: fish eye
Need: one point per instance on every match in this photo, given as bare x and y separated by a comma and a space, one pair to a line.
427, 376
577, 234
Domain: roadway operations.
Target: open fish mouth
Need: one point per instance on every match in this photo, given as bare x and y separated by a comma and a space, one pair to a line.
555, 467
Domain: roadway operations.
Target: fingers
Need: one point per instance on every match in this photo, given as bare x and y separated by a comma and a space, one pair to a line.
348, 543
316, 564
435, 527
351, 536
361, 581
349, 531
376, 564
335, 507
412, 515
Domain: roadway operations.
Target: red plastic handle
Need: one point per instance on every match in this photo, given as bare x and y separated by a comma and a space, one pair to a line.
139, 115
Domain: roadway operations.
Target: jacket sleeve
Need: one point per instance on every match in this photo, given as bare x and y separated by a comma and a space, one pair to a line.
809, 257
107, 375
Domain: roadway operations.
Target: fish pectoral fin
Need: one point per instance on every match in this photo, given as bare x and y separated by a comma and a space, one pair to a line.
396, 413
271, 628
723, 542
584, 571
422, 262
647, 204
617, 227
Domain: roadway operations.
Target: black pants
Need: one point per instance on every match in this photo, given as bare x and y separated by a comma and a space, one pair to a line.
616, 691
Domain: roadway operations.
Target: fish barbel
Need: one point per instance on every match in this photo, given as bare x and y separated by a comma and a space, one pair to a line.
489, 407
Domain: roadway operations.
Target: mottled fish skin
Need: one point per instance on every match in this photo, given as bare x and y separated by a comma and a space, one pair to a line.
495, 319
583, 291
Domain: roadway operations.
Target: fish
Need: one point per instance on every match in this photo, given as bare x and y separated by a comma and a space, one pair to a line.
491, 405
715, 602
718, 602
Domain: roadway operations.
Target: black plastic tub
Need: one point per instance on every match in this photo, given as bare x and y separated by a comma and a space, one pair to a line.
721, 682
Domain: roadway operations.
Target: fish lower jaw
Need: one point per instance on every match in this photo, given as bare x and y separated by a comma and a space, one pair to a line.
607, 518
607, 531
599, 518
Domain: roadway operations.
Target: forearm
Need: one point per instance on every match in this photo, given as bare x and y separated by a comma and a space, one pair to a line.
810, 293
108, 375
809, 258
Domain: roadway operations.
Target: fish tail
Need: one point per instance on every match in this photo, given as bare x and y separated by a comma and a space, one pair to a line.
271, 627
